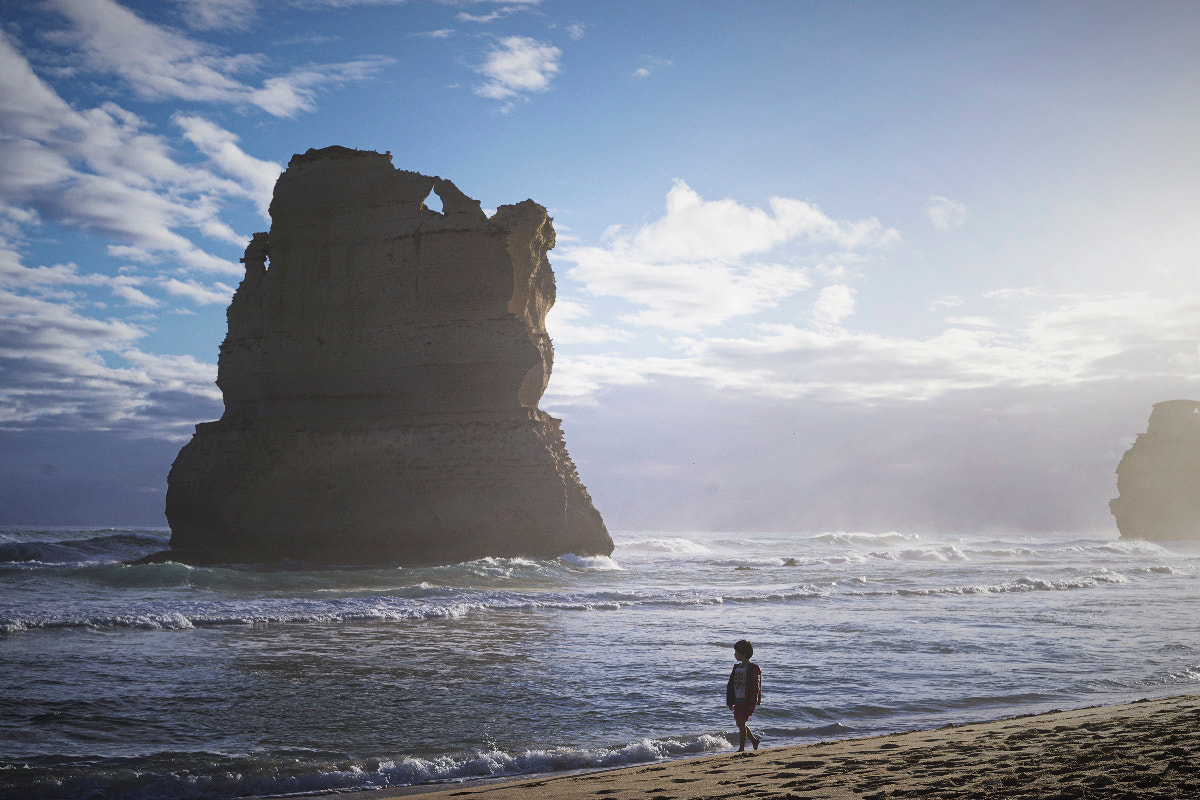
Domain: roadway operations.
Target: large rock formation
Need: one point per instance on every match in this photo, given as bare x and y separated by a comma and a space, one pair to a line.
1158, 479
381, 379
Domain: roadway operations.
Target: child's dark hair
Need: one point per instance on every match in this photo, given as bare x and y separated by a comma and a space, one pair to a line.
744, 647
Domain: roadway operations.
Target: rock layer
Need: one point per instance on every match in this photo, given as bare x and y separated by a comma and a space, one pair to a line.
1158, 479
381, 376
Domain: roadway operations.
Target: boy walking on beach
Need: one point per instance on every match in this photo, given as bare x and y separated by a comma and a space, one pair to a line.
744, 692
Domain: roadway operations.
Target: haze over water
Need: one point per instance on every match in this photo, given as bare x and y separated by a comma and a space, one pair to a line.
168, 680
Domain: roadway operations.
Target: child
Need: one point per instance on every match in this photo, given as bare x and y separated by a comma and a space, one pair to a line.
744, 692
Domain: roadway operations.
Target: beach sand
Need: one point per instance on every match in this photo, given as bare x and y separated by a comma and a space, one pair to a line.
1143, 750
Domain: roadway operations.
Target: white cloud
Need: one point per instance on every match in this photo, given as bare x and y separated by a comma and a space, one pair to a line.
652, 65
287, 95
507, 9
155, 62
833, 304
696, 228
945, 213
972, 322
65, 369
216, 294
57, 372
576, 30
52, 282
685, 296
568, 323
1076, 341
158, 63
481, 18
256, 176
207, 15
949, 301
126, 289
517, 66
580, 380
705, 262
99, 170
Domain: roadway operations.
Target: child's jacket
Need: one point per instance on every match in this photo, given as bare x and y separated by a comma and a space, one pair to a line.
753, 686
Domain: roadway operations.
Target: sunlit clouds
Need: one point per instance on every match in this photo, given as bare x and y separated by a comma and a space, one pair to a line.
705, 262
1078, 341
702, 265
518, 66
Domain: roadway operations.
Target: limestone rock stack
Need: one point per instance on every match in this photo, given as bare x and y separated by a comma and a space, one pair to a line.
1158, 479
381, 377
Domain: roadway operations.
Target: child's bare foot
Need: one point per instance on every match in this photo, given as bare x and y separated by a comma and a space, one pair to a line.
754, 740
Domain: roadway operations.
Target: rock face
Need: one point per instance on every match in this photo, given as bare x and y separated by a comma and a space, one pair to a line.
381, 377
1158, 479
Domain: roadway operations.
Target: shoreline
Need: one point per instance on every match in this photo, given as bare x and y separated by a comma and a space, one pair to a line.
1145, 749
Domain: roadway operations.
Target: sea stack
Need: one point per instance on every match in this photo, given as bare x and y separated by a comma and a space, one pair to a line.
381, 377
1158, 479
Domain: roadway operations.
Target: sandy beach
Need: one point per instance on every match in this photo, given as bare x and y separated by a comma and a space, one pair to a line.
1145, 749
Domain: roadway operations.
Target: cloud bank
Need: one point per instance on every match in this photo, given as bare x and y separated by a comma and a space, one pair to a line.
707, 268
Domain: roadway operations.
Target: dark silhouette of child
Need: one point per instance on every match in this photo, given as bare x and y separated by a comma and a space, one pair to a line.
744, 692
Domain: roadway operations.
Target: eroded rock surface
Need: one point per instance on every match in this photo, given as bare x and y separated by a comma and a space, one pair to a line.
381, 377
1158, 479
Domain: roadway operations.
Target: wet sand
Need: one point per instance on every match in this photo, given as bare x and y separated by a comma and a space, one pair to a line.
1148, 750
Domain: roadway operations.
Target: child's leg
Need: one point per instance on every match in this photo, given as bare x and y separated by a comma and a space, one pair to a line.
742, 731
754, 740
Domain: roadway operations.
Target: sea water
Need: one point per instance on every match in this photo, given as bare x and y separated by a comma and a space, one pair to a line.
166, 680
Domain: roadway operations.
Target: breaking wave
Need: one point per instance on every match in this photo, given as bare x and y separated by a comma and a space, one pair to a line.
102, 547
196, 776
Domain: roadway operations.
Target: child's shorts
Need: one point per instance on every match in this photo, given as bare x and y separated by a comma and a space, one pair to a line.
742, 712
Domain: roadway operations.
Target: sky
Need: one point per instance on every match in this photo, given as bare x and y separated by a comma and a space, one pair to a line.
865, 266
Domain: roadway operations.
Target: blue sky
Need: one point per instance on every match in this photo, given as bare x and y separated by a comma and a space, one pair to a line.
821, 266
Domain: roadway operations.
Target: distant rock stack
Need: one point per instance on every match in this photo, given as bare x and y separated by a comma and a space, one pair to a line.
381, 377
1158, 479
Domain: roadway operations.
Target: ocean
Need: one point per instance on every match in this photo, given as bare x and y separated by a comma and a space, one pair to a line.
170, 681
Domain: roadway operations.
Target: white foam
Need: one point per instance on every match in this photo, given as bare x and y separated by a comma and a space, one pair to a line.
674, 545
853, 539
946, 553
598, 563
1025, 584
383, 774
